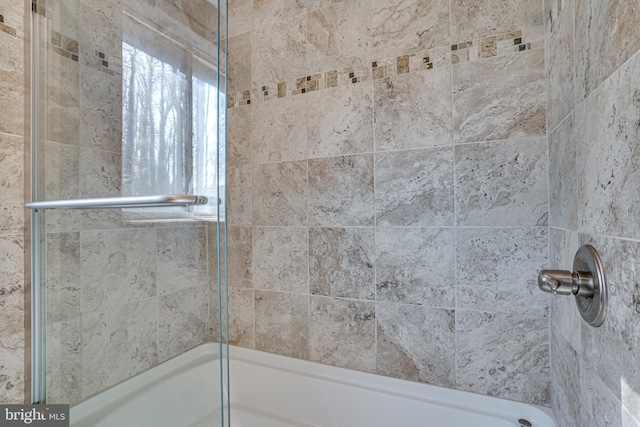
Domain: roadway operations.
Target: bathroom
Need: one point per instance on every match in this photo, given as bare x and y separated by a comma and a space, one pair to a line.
397, 174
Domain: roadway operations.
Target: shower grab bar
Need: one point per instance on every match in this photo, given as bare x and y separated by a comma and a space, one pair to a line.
163, 200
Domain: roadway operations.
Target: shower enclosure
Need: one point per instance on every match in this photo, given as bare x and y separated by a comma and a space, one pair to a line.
128, 154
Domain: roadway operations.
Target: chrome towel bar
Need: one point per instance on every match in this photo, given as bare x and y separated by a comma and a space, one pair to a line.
163, 200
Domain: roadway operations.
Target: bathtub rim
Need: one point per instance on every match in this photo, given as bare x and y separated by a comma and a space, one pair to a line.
421, 392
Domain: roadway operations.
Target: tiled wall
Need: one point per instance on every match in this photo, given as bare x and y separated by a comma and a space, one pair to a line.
388, 197
593, 82
12, 86
122, 296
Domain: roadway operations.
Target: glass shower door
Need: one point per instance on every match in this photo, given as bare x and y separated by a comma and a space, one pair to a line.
129, 101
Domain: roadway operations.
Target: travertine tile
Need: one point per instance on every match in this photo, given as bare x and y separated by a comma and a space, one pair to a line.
12, 318
502, 183
416, 343
12, 81
117, 267
241, 318
500, 98
181, 258
239, 184
565, 381
280, 193
563, 183
611, 350
63, 276
101, 173
282, 323
64, 361
239, 135
239, 244
278, 130
598, 405
341, 191
239, 61
280, 259
240, 17
183, 321
342, 262
609, 156
471, 20
416, 266
11, 183
607, 34
62, 100
414, 187
61, 181
413, 110
503, 355
100, 109
338, 36
340, 121
559, 60
107, 354
497, 269
279, 42
400, 27
343, 333
101, 23
565, 316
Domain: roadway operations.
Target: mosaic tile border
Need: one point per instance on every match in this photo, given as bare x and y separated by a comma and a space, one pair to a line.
4, 27
466, 51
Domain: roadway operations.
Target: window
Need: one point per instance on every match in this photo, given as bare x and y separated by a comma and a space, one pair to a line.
173, 136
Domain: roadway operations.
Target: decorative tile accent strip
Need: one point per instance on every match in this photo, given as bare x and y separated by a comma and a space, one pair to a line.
4, 27
63, 45
38, 7
442, 56
488, 47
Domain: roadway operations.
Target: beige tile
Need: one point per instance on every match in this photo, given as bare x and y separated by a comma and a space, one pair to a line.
117, 267
241, 318
563, 169
471, 20
11, 183
280, 259
239, 136
340, 121
278, 130
560, 60
342, 333
503, 355
496, 270
64, 361
183, 321
107, 354
338, 36
239, 184
499, 98
394, 24
239, 61
406, 195
240, 264
341, 191
12, 82
101, 172
342, 262
240, 17
181, 259
62, 100
280, 194
607, 34
282, 323
502, 183
416, 343
413, 110
416, 266
63, 277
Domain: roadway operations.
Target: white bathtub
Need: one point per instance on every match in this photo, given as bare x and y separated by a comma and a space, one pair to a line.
275, 391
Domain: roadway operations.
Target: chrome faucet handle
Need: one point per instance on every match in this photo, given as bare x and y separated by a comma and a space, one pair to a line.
587, 283
563, 282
